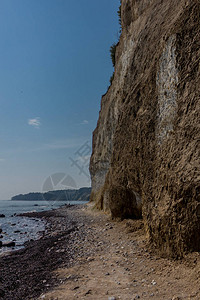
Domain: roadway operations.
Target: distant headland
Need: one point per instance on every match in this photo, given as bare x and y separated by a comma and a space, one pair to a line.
82, 194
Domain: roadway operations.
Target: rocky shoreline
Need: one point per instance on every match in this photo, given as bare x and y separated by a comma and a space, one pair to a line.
84, 254
26, 273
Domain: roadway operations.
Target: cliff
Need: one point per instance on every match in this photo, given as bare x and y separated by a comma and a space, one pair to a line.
146, 146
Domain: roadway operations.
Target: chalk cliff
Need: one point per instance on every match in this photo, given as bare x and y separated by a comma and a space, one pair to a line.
146, 146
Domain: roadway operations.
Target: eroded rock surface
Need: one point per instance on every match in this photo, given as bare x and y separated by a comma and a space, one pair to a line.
146, 147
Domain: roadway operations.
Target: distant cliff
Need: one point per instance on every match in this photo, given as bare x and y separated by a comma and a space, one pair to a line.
83, 194
146, 147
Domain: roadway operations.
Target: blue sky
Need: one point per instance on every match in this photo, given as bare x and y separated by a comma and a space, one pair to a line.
54, 67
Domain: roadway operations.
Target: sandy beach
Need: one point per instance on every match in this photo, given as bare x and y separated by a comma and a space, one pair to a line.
85, 255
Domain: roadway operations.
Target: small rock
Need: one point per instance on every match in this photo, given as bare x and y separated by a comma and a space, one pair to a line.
88, 292
2, 293
136, 297
8, 244
153, 282
112, 298
90, 259
2, 216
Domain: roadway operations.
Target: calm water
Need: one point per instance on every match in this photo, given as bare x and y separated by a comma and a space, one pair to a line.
22, 229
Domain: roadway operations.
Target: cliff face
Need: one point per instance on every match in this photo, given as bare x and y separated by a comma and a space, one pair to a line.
146, 147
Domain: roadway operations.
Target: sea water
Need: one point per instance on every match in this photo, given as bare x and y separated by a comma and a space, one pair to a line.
22, 229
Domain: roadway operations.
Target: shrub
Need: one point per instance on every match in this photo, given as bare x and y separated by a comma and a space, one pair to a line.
120, 17
112, 53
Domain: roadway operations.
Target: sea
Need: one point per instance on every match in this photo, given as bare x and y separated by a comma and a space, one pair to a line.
22, 229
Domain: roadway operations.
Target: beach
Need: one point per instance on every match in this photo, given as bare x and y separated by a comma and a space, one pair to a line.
84, 254
20, 229
27, 272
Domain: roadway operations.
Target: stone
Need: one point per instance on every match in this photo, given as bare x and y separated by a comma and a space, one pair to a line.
8, 244
2, 292
153, 282
2, 216
89, 292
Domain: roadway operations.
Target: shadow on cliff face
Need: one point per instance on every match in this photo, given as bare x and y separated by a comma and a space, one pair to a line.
123, 203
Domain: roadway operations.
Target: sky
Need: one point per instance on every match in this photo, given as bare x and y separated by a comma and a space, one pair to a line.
54, 66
